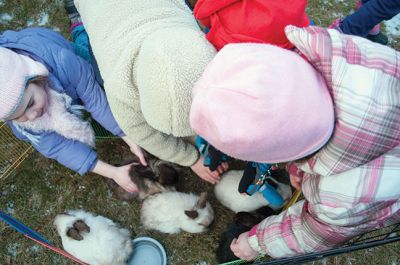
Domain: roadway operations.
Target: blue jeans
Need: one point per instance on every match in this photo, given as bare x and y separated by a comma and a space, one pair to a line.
80, 41
371, 13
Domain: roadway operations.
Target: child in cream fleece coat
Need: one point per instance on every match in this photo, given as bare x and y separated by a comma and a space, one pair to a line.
150, 53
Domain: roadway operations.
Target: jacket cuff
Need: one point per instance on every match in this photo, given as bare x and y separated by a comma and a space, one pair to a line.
119, 133
192, 159
253, 240
91, 167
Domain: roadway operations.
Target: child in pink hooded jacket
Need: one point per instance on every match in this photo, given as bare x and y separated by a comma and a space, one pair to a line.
333, 118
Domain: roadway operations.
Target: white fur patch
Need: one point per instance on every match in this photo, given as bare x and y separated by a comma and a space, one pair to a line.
165, 212
228, 195
106, 243
59, 119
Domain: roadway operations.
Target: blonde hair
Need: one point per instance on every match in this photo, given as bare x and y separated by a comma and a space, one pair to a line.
39, 80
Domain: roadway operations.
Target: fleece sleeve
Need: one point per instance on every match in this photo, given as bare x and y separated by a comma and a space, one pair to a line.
163, 146
73, 154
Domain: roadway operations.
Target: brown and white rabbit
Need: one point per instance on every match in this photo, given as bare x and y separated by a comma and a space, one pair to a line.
157, 176
165, 209
172, 212
95, 240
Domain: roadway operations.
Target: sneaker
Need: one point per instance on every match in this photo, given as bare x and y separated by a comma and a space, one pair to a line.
378, 38
70, 7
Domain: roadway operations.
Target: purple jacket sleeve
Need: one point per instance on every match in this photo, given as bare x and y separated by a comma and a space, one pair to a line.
80, 77
72, 154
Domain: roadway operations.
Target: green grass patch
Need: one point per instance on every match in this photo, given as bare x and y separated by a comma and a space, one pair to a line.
41, 188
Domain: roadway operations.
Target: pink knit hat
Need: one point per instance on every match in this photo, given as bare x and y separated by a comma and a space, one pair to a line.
15, 71
259, 102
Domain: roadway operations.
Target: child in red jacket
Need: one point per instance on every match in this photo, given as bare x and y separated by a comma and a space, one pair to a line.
257, 21
254, 21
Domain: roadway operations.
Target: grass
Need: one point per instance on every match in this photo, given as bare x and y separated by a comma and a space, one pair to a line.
39, 189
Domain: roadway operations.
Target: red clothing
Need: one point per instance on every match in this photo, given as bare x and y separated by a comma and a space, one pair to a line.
259, 21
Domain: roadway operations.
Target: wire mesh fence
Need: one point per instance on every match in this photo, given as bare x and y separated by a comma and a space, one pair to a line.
368, 240
14, 151
371, 239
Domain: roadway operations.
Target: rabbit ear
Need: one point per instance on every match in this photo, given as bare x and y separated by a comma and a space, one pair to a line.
74, 233
142, 176
192, 214
153, 188
168, 176
81, 226
201, 203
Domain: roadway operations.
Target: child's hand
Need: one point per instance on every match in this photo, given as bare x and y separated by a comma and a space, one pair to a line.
118, 174
221, 169
122, 178
242, 249
215, 159
295, 181
296, 175
136, 150
204, 172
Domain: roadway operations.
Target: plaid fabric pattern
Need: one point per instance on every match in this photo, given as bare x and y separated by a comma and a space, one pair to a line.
351, 185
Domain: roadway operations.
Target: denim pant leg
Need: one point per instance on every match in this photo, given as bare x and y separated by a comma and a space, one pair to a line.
371, 13
80, 41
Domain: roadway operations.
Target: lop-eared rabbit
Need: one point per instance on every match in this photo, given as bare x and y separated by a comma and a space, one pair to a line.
157, 176
163, 208
172, 212
95, 240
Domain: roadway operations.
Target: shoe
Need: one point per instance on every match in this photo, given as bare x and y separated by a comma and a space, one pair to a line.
378, 38
70, 7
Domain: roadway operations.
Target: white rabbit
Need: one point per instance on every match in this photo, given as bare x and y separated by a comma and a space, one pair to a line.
172, 211
93, 239
228, 195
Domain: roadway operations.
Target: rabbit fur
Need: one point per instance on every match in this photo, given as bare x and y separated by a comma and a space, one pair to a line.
95, 240
156, 177
172, 212
242, 222
226, 191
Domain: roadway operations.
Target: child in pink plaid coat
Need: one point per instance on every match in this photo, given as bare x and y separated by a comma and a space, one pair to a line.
334, 111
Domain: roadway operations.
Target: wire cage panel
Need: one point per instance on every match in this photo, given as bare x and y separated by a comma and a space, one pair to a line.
14, 151
370, 239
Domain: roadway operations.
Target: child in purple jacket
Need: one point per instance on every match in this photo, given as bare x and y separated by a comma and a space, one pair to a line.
44, 86
365, 21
